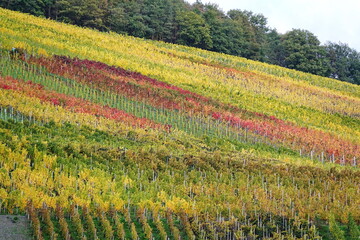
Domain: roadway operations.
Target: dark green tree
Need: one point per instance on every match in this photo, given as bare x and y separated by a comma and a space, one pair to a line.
258, 23
344, 62
87, 13
216, 20
237, 43
116, 17
274, 50
252, 43
302, 51
227, 34
192, 30
159, 18
132, 22
35, 7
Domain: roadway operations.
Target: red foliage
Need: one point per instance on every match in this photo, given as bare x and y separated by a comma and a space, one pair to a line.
5, 86
76, 104
291, 135
135, 86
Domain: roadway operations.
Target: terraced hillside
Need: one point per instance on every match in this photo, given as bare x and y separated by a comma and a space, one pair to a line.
105, 136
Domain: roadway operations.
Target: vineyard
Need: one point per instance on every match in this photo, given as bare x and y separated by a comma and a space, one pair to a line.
105, 136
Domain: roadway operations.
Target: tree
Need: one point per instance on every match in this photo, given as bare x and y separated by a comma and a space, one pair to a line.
35, 7
253, 28
192, 30
344, 62
259, 25
302, 51
127, 17
215, 20
274, 51
159, 18
116, 17
87, 13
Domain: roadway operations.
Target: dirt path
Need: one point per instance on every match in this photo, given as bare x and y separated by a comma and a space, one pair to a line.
14, 227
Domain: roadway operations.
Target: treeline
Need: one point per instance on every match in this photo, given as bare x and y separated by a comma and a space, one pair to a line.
237, 32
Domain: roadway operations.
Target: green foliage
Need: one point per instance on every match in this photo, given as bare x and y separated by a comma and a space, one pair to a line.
253, 30
35, 7
126, 17
353, 229
193, 31
344, 62
274, 50
335, 230
228, 36
159, 19
302, 51
88, 13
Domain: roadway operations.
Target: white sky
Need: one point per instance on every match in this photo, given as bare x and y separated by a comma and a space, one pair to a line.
329, 20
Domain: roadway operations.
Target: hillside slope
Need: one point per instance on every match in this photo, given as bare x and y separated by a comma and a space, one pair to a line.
105, 136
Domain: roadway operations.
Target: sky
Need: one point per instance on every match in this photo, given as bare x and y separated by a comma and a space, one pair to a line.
329, 20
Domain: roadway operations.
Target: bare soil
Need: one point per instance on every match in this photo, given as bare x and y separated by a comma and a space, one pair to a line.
14, 227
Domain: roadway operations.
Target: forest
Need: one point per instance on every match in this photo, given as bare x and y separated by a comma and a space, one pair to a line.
236, 32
